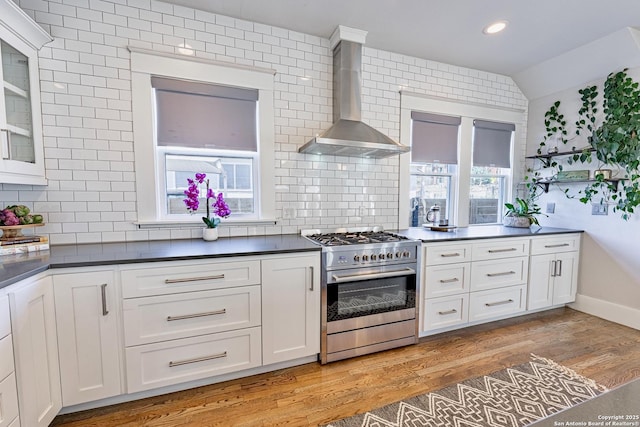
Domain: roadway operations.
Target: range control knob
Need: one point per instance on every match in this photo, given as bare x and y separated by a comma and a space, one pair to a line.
373, 257
398, 254
381, 257
389, 255
406, 254
356, 258
365, 257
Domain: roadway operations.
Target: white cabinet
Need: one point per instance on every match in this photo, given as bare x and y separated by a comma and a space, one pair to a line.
33, 327
87, 312
21, 144
553, 276
190, 320
290, 307
8, 390
473, 281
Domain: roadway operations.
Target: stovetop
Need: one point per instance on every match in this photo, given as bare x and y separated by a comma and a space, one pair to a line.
357, 249
355, 238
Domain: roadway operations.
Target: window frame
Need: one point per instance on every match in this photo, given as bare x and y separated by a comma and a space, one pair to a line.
145, 64
468, 111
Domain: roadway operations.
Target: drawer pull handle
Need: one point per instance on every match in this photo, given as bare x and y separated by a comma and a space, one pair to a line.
193, 279
191, 316
311, 271
559, 268
493, 304
452, 254
504, 273
444, 313
455, 279
197, 359
103, 294
495, 251
560, 245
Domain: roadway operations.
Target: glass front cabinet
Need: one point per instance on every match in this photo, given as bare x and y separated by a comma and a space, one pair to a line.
21, 145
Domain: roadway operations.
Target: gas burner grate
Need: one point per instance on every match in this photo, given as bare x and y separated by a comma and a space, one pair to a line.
358, 238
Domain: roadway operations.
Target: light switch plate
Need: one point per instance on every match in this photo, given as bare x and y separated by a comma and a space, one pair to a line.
551, 207
599, 209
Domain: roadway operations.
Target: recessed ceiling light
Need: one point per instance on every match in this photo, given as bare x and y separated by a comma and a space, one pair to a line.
495, 27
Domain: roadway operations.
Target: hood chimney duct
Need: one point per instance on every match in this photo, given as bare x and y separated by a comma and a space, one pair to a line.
349, 136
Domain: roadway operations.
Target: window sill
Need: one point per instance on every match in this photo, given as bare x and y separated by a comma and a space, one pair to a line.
199, 224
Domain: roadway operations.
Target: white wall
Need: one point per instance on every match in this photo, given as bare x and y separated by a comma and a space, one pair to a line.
86, 93
610, 263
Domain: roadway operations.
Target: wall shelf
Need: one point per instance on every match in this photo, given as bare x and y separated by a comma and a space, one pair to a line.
544, 184
561, 153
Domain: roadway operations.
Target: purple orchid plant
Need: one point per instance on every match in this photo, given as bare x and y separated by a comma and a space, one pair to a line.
220, 207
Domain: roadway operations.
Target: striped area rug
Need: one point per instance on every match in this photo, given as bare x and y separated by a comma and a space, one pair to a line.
512, 397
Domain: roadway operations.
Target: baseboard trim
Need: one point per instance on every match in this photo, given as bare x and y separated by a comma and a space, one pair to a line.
617, 313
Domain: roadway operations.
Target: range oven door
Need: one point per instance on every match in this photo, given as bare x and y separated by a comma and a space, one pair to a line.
360, 298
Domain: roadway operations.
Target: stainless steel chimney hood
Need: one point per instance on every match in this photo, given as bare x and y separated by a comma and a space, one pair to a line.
349, 136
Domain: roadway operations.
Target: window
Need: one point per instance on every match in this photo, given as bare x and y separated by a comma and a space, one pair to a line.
434, 156
490, 172
192, 115
475, 178
430, 184
210, 129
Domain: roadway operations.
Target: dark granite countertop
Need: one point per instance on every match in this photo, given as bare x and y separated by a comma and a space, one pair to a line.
480, 232
18, 267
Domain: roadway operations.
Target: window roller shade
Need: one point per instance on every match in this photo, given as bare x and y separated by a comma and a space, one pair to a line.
200, 115
492, 143
434, 138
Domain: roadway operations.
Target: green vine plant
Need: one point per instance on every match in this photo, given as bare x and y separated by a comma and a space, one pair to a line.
615, 143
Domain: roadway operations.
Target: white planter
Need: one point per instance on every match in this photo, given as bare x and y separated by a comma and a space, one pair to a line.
209, 234
516, 221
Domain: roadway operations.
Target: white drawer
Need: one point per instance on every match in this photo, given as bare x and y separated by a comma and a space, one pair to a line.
555, 244
8, 401
448, 279
6, 357
495, 303
437, 254
500, 248
445, 312
499, 273
156, 365
5, 319
188, 276
166, 317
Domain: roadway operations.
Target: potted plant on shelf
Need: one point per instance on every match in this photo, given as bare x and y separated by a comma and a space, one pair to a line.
220, 207
521, 213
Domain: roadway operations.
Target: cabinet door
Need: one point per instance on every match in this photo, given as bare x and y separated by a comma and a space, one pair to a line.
290, 307
565, 282
21, 146
541, 281
87, 321
33, 325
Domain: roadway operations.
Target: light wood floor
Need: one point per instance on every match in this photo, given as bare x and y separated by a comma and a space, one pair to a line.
312, 394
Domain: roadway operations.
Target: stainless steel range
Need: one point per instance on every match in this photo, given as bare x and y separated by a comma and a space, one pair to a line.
368, 293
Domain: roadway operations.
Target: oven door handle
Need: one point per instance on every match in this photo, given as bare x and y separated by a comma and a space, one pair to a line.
367, 276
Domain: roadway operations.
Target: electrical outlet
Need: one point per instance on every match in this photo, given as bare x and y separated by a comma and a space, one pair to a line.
288, 213
551, 207
362, 211
599, 209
